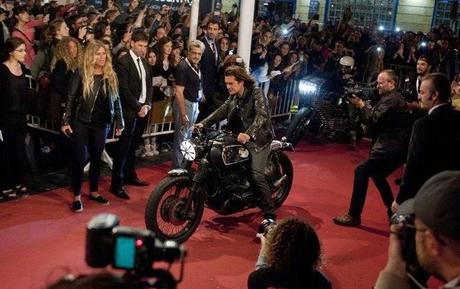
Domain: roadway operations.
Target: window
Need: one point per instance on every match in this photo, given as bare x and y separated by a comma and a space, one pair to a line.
313, 9
365, 12
443, 12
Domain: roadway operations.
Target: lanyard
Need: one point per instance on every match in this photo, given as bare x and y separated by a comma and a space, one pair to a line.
197, 72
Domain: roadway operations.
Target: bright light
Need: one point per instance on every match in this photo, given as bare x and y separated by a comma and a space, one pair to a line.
381, 28
139, 243
423, 44
379, 49
397, 29
307, 87
285, 31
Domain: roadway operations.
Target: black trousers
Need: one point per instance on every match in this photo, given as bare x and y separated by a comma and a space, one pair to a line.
259, 158
377, 168
124, 158
13, 155
87, 139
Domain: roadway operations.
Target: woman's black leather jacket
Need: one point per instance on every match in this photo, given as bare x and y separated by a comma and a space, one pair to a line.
75, 101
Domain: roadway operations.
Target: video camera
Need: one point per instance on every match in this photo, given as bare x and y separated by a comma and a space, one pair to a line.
133, 250
363, 91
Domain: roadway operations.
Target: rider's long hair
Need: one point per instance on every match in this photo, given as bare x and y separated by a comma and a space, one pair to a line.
293, 249
240, 74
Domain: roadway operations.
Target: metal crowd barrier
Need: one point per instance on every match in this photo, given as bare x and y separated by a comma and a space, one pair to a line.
285, 99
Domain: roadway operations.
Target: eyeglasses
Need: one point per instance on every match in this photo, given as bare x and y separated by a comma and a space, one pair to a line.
20, 50
440, 240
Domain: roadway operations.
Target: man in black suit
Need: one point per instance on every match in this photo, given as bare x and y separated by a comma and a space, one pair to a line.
389, 124
209, 63
435, 139
135, 84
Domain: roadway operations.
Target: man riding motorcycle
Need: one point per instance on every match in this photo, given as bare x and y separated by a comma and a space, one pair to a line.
248, 116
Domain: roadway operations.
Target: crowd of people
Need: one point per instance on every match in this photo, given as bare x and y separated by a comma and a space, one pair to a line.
97, 69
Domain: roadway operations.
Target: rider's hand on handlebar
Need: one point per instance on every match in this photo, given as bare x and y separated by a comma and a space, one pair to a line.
197, 126
243, 138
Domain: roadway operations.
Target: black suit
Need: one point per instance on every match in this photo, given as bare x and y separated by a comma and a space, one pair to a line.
130, 92
389, 124
433, 148
208, 66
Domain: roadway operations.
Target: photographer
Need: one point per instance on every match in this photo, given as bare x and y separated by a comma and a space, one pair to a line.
437, 234
389, 124
289, 257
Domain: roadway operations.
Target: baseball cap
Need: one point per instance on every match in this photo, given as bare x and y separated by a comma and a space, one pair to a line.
437, 204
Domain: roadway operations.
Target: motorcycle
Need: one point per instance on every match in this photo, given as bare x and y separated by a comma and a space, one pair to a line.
217, 175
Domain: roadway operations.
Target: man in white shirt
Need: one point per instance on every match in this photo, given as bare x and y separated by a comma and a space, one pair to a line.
135, 84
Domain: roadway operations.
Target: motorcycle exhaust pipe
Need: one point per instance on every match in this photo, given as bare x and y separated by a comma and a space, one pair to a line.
277, 184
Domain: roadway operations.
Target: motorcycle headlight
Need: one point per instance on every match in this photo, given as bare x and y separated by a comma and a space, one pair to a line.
307, 87
188, 150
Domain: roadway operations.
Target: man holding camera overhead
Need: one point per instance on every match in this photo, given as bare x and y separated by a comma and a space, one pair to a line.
437, 234
388, 122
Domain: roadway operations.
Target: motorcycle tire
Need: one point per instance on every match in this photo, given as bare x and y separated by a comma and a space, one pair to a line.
299, 125
165, 212
279, 164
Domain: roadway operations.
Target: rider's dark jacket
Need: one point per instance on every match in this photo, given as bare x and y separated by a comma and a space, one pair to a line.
255, 115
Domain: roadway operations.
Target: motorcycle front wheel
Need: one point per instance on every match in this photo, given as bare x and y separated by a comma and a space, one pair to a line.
279, 173
299, 125
167, 213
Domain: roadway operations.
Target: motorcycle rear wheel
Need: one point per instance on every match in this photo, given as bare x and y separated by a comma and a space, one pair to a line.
279, 165
166, 214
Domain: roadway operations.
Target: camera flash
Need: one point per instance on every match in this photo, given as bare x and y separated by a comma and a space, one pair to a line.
381, 28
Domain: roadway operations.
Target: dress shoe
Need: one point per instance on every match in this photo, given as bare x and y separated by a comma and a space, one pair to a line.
121, 193
347, 220
136, 182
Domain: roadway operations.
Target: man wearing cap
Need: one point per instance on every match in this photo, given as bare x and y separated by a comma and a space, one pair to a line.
435, 139
437, 234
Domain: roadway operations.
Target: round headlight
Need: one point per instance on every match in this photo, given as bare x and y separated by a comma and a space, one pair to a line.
188, 150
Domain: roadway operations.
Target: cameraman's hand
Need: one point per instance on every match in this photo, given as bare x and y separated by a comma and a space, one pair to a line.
395, 264
394, 207
356, 101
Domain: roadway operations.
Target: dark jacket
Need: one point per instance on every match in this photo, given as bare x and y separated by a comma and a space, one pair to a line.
255, 115
130, 85
433, 148
208, 66
267, 278
389, 125
75, 100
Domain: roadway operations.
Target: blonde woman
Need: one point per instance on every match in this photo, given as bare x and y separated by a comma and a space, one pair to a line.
92, 105
67, 56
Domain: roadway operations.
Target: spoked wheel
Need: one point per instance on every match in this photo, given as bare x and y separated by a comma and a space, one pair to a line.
279, 174
298, 126
169, 213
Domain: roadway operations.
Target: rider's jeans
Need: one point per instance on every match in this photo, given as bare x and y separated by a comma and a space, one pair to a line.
182, 133
259, 159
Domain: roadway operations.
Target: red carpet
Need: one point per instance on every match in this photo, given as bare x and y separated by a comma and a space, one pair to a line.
40, 237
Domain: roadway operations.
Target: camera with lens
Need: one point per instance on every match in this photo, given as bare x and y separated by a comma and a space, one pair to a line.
133, 250
364, 92
407, 237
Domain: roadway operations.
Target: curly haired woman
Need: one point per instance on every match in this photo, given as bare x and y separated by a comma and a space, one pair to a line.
289, 258
64, 64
